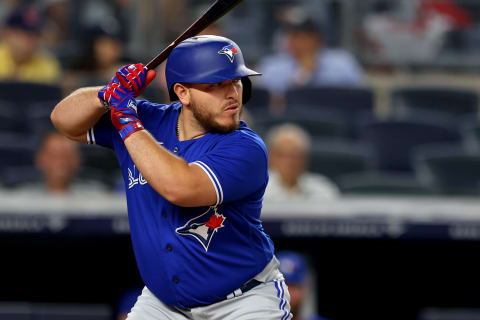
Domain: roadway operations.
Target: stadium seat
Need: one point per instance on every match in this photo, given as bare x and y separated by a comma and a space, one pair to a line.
345, 98
99, 163
321, 126
453, 102
259, 100
37, 116
22, 92
106, 179
381, 183
448, 170
15, 176
471, 135
336, 157
11, 119
17, 156
394, 140
15, 150
354, 105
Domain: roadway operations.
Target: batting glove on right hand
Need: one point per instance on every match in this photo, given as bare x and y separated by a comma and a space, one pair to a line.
119, 96
123, 109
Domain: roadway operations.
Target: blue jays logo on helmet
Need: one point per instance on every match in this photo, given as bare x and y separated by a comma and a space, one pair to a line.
230, 51
203, 227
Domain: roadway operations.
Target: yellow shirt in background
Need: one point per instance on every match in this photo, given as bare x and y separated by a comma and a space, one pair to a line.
41, 68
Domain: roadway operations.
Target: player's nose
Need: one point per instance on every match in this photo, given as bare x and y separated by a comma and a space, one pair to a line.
233, 90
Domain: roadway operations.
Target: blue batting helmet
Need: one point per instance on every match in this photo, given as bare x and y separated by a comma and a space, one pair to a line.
293, 266
207, 59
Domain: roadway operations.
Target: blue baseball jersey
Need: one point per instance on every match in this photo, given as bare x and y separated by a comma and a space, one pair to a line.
195, 256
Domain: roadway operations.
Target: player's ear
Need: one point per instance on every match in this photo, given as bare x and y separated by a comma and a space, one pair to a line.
182, 93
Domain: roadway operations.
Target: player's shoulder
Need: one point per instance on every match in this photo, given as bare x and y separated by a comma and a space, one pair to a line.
245, 136
245, 133
150, 111
144, 105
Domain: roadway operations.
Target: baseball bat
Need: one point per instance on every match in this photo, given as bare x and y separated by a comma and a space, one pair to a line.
217, 10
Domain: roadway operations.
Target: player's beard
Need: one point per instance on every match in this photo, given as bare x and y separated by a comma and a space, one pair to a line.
207, 119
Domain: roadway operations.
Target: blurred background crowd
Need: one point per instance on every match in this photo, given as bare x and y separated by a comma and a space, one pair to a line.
356, 97
371, 97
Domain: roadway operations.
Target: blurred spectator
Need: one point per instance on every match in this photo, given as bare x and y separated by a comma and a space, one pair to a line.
58, 161
126, 302
146, 26
215, 29
56, 29
6, 6
101, 58
289, 147
306, 61
157, 24
295, 270
406, 31
21, 57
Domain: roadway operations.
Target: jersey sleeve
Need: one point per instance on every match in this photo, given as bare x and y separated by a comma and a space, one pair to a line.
237, 168
103, 133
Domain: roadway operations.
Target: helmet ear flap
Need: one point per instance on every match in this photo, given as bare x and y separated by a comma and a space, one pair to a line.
247, 89
172, 94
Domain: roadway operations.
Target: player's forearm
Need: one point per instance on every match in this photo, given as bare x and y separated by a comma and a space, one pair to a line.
78, 112
170, 175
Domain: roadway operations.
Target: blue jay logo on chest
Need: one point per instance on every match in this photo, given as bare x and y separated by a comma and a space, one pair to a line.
203, 227
230, 51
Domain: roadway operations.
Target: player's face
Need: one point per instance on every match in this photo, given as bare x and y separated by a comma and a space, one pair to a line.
217, 107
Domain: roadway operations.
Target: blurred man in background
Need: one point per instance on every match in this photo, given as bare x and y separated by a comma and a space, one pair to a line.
58, 162
289, 147
126, 302
100, 59
294, 267
306, 61
21, 57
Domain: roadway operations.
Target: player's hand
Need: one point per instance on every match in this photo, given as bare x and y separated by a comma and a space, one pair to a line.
125, 118
135, 77
131, 79
123, 111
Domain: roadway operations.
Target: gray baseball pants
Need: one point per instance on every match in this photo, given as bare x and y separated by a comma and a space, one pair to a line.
267, 301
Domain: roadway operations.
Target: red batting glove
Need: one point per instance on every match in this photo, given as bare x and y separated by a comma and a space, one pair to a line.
135, 77
119, 96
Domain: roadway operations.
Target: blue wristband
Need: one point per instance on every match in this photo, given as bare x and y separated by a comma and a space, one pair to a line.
126, 131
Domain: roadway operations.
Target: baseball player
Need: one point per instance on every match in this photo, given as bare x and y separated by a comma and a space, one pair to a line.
195, 176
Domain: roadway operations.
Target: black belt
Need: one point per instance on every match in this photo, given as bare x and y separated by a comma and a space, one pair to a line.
246, 287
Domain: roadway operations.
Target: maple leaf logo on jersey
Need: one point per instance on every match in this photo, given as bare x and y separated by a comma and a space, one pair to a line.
230, 51
203, 227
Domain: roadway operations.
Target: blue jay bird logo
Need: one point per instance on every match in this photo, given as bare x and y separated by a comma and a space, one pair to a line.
230, 51
203, 227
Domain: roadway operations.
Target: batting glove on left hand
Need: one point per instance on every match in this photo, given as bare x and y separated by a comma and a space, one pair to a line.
135, 77
123, 111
